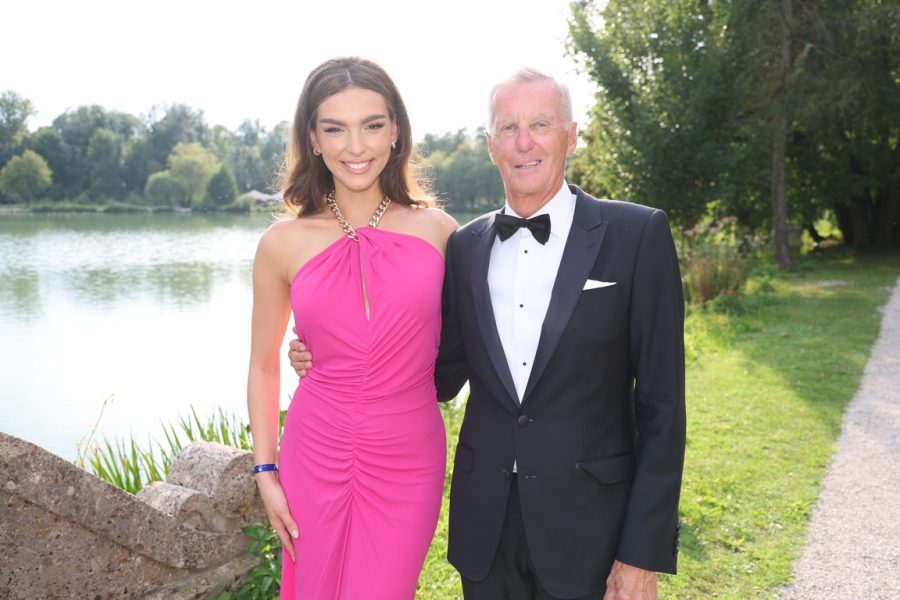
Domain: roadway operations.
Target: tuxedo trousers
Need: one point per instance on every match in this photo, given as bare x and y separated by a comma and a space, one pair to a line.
512, 575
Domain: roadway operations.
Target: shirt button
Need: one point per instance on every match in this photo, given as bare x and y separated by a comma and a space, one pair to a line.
526, 252
524, 363
521, 306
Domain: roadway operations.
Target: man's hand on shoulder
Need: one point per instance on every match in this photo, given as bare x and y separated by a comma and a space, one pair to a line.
630, 583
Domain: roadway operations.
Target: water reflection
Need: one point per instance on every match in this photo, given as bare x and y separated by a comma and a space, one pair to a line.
20, 293
152, 310
176, 284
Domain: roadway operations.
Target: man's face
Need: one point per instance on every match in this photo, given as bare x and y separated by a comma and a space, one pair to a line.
529, 142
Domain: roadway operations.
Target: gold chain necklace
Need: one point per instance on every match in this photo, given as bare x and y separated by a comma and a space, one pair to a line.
345, 224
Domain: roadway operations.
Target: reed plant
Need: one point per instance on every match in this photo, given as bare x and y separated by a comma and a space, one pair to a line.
132, 466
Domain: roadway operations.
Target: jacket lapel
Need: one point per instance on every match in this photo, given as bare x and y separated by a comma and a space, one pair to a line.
484, 309
582, 247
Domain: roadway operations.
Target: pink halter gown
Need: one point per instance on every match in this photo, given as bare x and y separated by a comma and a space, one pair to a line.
364, 448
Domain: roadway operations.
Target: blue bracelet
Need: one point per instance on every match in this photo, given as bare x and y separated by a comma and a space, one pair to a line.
263, 468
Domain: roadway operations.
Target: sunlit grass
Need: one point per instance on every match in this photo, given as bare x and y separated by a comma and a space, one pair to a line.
767, 384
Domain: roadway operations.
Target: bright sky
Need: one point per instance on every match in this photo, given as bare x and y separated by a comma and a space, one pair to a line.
240, 59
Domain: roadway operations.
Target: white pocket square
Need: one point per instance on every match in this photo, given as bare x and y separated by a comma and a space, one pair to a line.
592, 284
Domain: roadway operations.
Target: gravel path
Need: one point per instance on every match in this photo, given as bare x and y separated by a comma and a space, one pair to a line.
853, 545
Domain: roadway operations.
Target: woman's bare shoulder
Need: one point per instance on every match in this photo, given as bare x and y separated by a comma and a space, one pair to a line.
436, 219
443, 219
288, 235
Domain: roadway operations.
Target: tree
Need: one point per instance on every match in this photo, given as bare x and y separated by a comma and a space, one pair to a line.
465, 176
659, 130
14, 113
271, 154
222, 189
48, 142
779, 133
847, 133
768, 110
445, 143
77, 127
164, 190
105, 158
193, 166
179, 125
25, 176
252, 154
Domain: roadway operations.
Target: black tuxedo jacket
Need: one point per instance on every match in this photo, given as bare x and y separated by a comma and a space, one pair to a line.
599, 436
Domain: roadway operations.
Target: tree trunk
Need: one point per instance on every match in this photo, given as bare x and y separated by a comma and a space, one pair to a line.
887, 215
860, 221
779, 198
887, 207
779, 184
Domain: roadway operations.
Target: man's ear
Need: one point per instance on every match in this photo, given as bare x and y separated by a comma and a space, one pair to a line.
572, 141
490, 145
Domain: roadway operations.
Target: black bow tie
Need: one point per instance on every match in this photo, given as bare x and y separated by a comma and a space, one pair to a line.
507, 225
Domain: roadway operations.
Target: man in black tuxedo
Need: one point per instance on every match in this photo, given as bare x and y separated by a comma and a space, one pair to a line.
565, 313
568, 466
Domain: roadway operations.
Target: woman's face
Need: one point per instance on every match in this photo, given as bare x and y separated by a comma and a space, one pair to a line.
354, 132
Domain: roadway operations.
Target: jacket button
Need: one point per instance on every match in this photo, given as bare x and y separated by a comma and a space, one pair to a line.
523, 420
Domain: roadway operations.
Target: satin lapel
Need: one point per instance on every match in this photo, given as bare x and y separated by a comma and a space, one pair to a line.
484, 310
579, 256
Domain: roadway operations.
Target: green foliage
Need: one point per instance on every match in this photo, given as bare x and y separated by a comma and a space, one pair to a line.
98, 156
77, 128
263, 581
716, 256
463, 172
148, 154
658, 130
14, 113
221, 191
692, 95
25, 176
164, 190
446, 143
49, 143
105, 157
193, 166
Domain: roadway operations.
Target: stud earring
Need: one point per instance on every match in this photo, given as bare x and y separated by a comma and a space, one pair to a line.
316, 150
394, 145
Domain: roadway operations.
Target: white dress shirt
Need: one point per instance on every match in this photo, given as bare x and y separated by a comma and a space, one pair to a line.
521, 275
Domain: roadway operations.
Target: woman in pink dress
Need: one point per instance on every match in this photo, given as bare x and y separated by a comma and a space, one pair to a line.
356, 492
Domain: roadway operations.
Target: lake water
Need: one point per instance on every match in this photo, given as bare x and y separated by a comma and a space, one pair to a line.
151, 312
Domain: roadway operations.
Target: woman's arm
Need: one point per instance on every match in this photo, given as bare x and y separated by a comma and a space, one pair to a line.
271, 311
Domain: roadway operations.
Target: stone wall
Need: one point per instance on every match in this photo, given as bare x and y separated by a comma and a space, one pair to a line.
65, 533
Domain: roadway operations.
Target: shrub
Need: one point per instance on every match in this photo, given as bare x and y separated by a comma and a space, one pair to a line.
164, 190
716, 259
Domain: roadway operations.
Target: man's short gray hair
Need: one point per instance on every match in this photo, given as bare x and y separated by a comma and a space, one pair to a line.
528, 75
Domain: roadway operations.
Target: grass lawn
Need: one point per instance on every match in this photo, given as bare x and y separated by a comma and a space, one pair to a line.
768, 378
